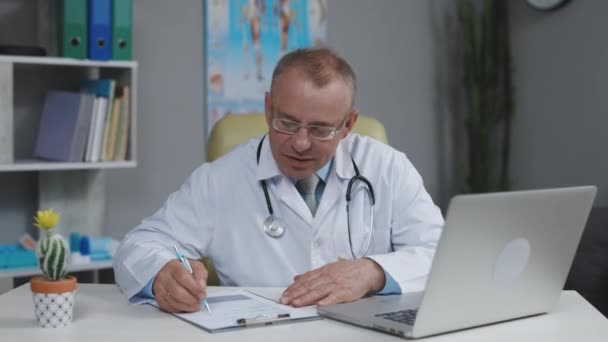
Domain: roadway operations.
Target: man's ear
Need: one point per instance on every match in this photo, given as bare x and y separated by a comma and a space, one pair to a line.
268, 108
350, 122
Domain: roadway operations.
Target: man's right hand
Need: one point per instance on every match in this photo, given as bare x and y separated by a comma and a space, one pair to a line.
176, 290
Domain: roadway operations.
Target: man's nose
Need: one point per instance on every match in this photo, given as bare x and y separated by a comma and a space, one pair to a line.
301, 141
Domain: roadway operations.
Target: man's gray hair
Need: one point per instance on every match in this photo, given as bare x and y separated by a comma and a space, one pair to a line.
320, 65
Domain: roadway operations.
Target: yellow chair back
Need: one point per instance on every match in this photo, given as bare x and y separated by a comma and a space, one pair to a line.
233, 130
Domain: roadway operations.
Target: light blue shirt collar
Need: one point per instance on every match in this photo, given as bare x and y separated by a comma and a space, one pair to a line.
323, 173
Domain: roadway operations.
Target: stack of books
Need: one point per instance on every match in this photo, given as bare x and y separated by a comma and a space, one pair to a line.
87, 126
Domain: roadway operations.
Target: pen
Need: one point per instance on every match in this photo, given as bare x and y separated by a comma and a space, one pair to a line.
186, 264
263, 320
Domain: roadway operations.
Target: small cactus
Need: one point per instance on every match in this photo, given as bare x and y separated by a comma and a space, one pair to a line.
52, 249
53, 256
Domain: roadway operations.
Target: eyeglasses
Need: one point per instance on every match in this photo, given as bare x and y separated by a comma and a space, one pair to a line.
314, 131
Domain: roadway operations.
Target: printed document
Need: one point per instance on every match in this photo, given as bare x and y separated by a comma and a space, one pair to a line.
233, 309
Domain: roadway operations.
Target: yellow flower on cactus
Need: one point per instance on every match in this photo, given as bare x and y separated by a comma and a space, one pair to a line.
46, 219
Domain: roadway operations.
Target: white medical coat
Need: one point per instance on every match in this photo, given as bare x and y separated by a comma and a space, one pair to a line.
219, 212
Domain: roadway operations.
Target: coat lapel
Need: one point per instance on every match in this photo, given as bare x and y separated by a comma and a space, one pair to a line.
291, 198
337, 181
281, 186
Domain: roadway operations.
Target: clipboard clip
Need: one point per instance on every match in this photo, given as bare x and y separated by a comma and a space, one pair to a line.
262, 320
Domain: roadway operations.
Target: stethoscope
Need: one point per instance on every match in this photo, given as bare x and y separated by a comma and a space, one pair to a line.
275, 227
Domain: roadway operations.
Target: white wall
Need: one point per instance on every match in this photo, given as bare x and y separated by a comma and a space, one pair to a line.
561, 81
168, 44
390, 45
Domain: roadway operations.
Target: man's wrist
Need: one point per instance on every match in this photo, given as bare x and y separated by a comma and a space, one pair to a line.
377, 278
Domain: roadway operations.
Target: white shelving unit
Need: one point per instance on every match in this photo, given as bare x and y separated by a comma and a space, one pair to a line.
75, 189
32, 271
67, 62
56, 73
40, 165
7, 277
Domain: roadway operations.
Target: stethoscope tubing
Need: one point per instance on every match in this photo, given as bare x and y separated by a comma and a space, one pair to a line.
275, 228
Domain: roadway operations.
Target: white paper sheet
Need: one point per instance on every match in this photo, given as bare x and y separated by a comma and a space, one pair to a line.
229, 306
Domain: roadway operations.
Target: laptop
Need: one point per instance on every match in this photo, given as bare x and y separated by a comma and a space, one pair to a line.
501, 256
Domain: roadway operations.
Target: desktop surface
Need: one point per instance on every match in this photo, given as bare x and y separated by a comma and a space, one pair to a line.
102, 313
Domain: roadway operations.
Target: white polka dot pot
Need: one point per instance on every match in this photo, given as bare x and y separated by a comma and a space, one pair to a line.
53, 301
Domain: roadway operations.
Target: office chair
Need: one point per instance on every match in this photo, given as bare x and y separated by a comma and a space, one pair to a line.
233, 130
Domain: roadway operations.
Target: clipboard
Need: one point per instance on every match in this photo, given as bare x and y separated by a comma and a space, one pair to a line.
238, 309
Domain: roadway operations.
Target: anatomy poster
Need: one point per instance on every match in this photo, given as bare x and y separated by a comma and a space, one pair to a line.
244, 39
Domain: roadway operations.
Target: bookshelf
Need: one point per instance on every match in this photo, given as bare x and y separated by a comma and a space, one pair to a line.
11, 278
41, 165
67, 62
24, 81
31, 271
75, 189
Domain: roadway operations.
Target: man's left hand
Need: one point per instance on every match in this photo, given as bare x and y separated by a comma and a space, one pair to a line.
338, 282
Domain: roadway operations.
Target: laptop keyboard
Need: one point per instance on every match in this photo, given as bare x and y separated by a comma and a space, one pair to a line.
403, 316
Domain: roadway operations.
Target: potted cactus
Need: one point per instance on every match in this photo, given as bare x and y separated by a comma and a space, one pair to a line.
53, 291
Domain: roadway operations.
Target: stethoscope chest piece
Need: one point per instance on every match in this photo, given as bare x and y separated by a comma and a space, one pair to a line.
274, 226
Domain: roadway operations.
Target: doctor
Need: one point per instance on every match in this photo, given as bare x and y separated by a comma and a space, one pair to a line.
299, 172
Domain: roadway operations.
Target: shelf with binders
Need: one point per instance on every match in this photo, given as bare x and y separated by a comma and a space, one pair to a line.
26, 82
64, 61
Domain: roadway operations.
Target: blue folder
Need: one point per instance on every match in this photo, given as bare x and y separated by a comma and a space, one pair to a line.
15, 256
100, 29
101, 87
58, 126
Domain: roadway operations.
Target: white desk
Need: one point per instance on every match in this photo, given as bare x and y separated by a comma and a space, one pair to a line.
102, 314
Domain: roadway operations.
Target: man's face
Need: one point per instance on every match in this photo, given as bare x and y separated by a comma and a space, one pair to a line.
297, 99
